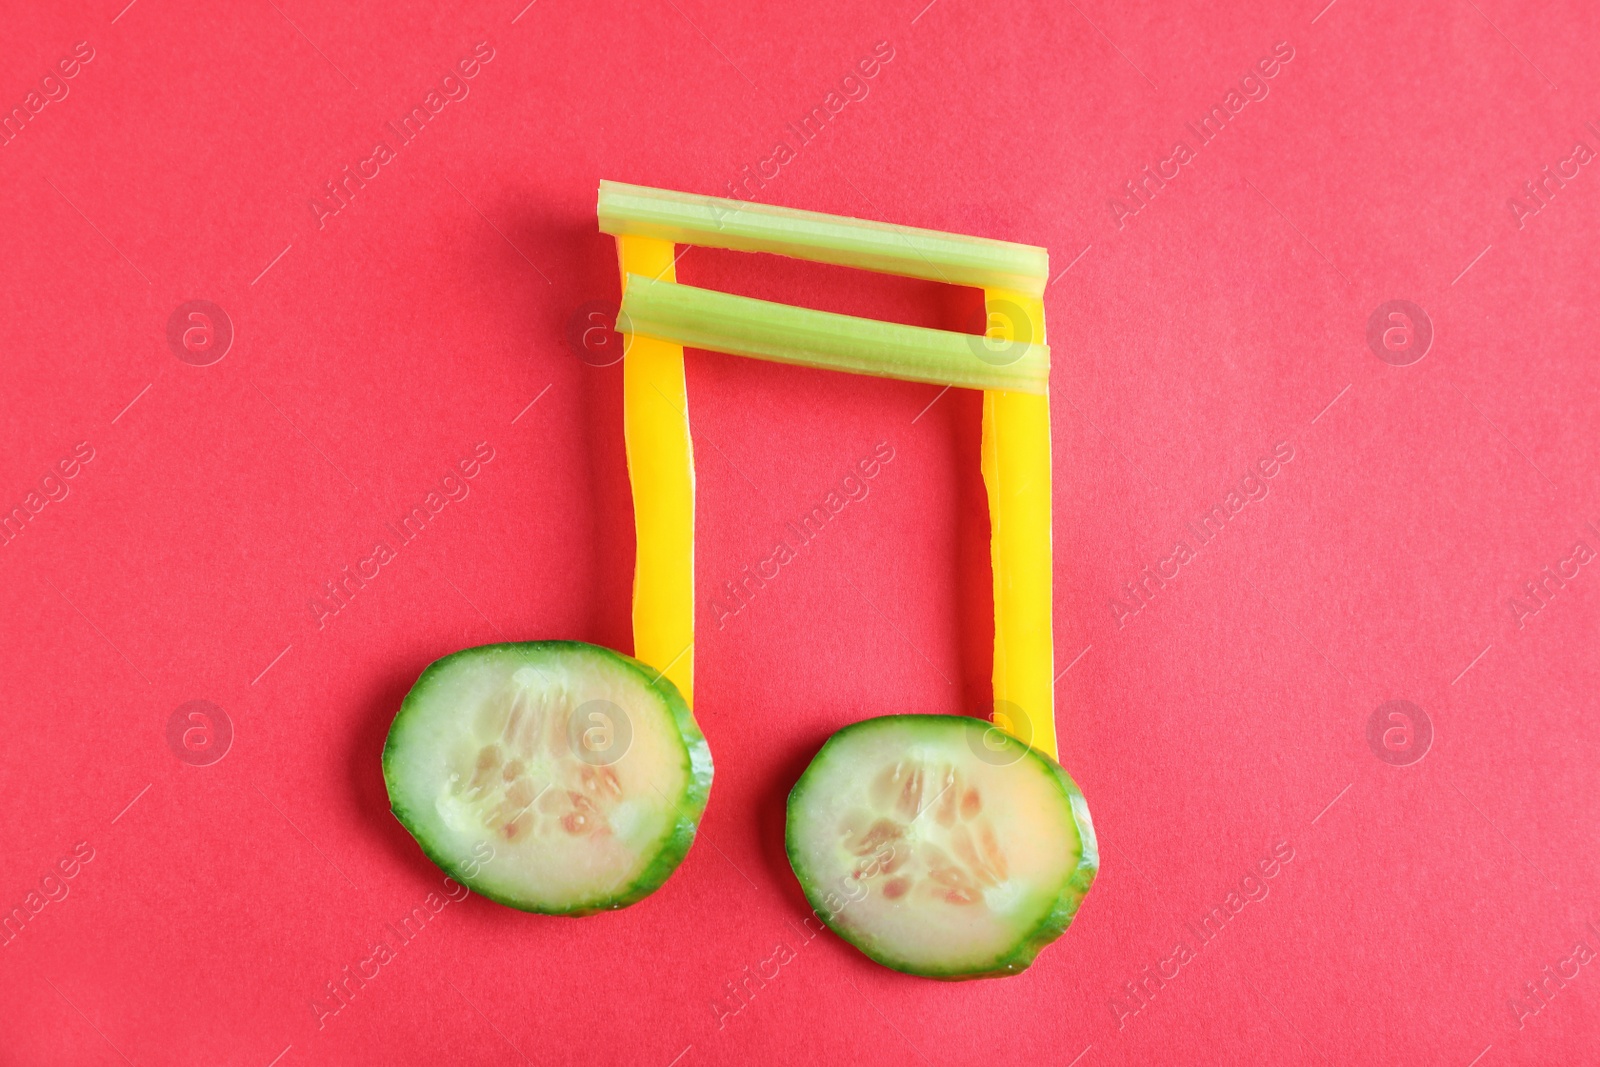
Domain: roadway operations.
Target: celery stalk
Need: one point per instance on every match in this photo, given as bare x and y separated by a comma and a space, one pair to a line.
716, 222
743, 326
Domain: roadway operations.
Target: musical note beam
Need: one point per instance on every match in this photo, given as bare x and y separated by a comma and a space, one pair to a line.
762, 329
908, 251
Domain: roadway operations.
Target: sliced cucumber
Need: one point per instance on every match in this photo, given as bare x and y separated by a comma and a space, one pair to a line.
552, 776
939, 845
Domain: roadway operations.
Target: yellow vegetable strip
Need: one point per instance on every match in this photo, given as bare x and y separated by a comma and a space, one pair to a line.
1016, 471
655, 420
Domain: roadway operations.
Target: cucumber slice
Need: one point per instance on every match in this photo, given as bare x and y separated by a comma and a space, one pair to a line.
939, 845
553, 776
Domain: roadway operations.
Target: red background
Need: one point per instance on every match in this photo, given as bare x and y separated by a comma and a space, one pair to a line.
1227, 315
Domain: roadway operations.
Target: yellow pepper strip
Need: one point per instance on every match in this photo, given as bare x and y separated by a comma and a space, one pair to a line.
1016, 471
655, 422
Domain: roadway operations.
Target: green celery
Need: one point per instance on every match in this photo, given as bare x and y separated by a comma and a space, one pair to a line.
716, 222
743, 326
